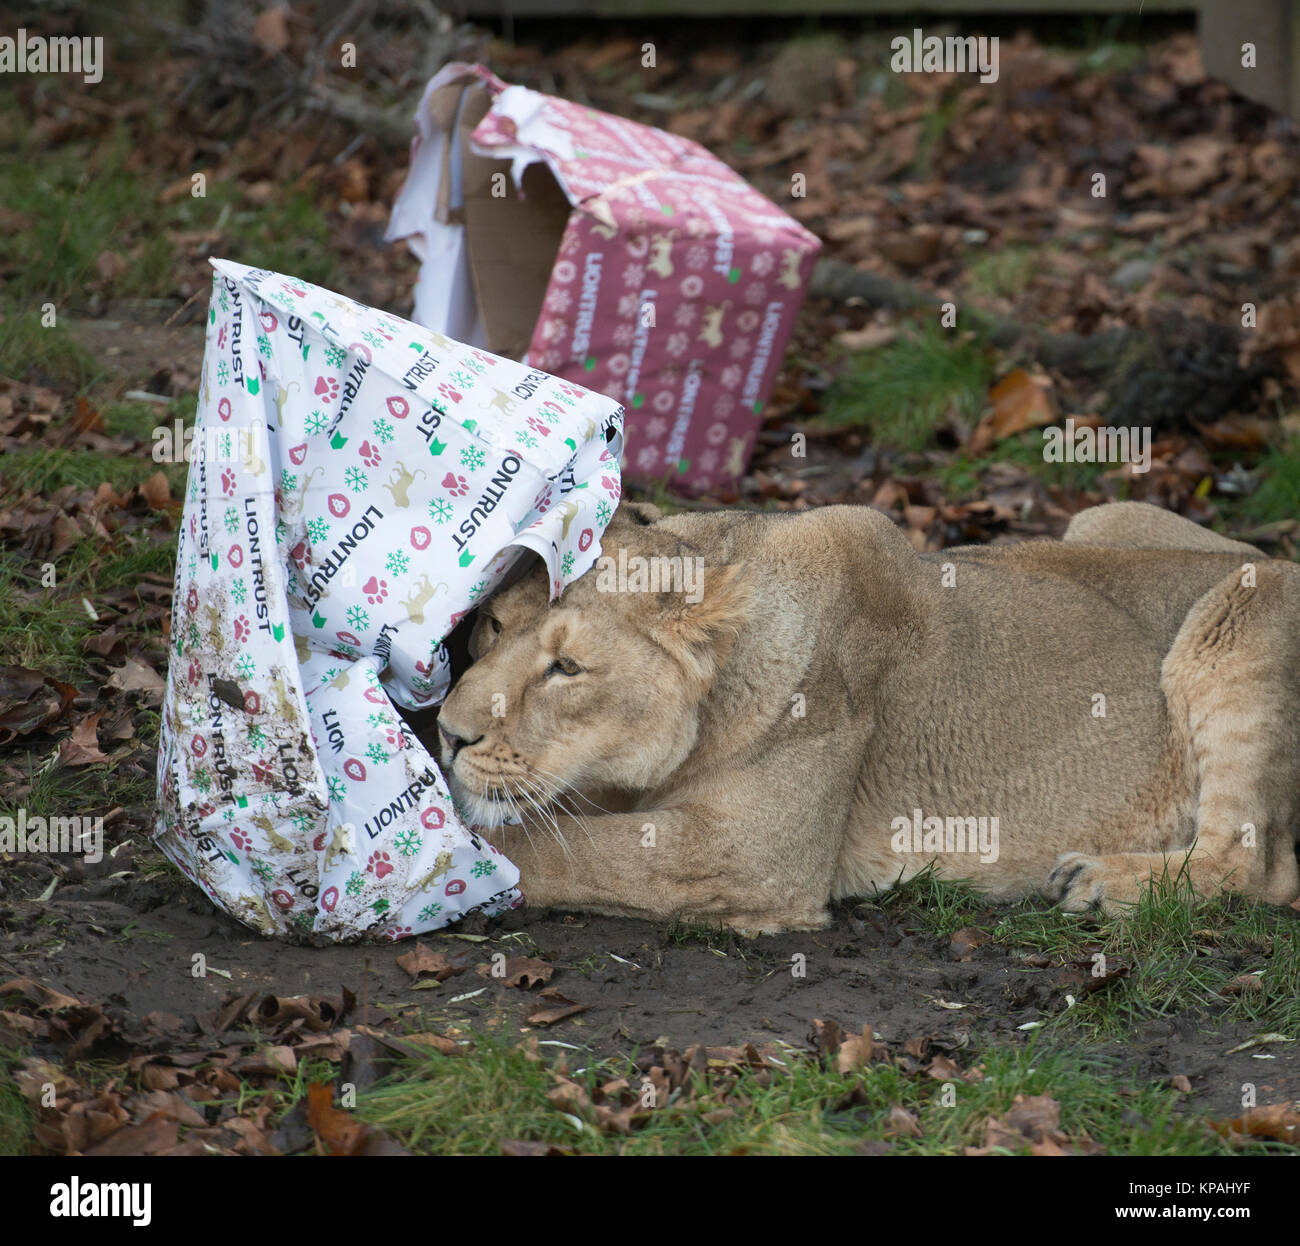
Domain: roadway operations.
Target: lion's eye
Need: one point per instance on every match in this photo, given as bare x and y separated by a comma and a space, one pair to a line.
495, 624
563, 666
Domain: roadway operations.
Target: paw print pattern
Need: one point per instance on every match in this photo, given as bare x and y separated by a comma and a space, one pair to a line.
240, 840
396, 739
241, 628
375, 589
379, 864
369, 454
538, 426
457, 486
228, 482
327, 387
446, 391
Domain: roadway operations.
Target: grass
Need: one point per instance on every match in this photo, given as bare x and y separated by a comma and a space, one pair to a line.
51, 356
44, 628
1002, 273
1278, 494
1183, 950
81, 200
470, 1104
16, 1122
961, 474
903, 393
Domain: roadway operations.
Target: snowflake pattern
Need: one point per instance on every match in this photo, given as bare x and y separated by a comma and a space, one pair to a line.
356, 479
356, 882
440, 510
383, 430
316, 423
472, 457
482, 868
376, 752
318, 530
358, 618
397, 562
408, 842
239, 590
246, 667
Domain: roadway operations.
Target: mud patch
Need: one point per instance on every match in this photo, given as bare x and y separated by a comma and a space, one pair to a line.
130, 943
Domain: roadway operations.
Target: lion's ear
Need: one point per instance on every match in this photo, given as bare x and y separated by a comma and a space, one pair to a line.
700, 625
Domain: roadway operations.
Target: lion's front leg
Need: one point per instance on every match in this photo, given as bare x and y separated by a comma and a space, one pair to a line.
662, 864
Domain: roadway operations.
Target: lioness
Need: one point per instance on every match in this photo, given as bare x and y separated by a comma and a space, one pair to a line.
835, 711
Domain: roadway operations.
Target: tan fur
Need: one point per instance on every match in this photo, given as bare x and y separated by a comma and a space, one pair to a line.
743, 759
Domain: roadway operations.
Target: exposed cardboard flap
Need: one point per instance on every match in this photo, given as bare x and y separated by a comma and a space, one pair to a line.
513, 240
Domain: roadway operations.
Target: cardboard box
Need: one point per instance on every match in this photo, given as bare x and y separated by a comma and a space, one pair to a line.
611, 253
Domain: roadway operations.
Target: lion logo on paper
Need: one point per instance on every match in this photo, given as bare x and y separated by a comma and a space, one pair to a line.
399, 485
424, 593
711, 326
790, 261
661, 250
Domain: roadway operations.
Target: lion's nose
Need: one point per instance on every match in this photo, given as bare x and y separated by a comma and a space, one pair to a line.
454, 742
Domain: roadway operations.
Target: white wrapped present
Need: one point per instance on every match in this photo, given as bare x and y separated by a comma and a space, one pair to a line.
357, 485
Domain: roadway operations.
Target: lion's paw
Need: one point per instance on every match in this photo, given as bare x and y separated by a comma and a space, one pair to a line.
1076, 882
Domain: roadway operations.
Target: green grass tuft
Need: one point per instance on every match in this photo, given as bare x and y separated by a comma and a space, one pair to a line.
902, 393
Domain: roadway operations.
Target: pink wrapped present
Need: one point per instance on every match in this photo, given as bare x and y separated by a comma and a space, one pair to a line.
611, 253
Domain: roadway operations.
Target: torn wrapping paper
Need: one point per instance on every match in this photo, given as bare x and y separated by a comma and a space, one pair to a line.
608, 252
358, 483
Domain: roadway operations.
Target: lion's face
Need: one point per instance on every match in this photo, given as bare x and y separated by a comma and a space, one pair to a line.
600, 690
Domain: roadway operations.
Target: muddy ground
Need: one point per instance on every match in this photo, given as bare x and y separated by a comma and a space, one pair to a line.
129, 942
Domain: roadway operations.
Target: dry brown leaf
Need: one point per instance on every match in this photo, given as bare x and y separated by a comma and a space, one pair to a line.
1280, 1121
557, 1008
81, 748
859, 1050
1020, 401
963, 943
422, 960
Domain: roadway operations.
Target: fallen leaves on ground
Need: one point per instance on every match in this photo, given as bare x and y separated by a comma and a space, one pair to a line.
423, 961
558, 1007
1020, 401
186, 1090
340, 1132
1278, 1121
1032, 1123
